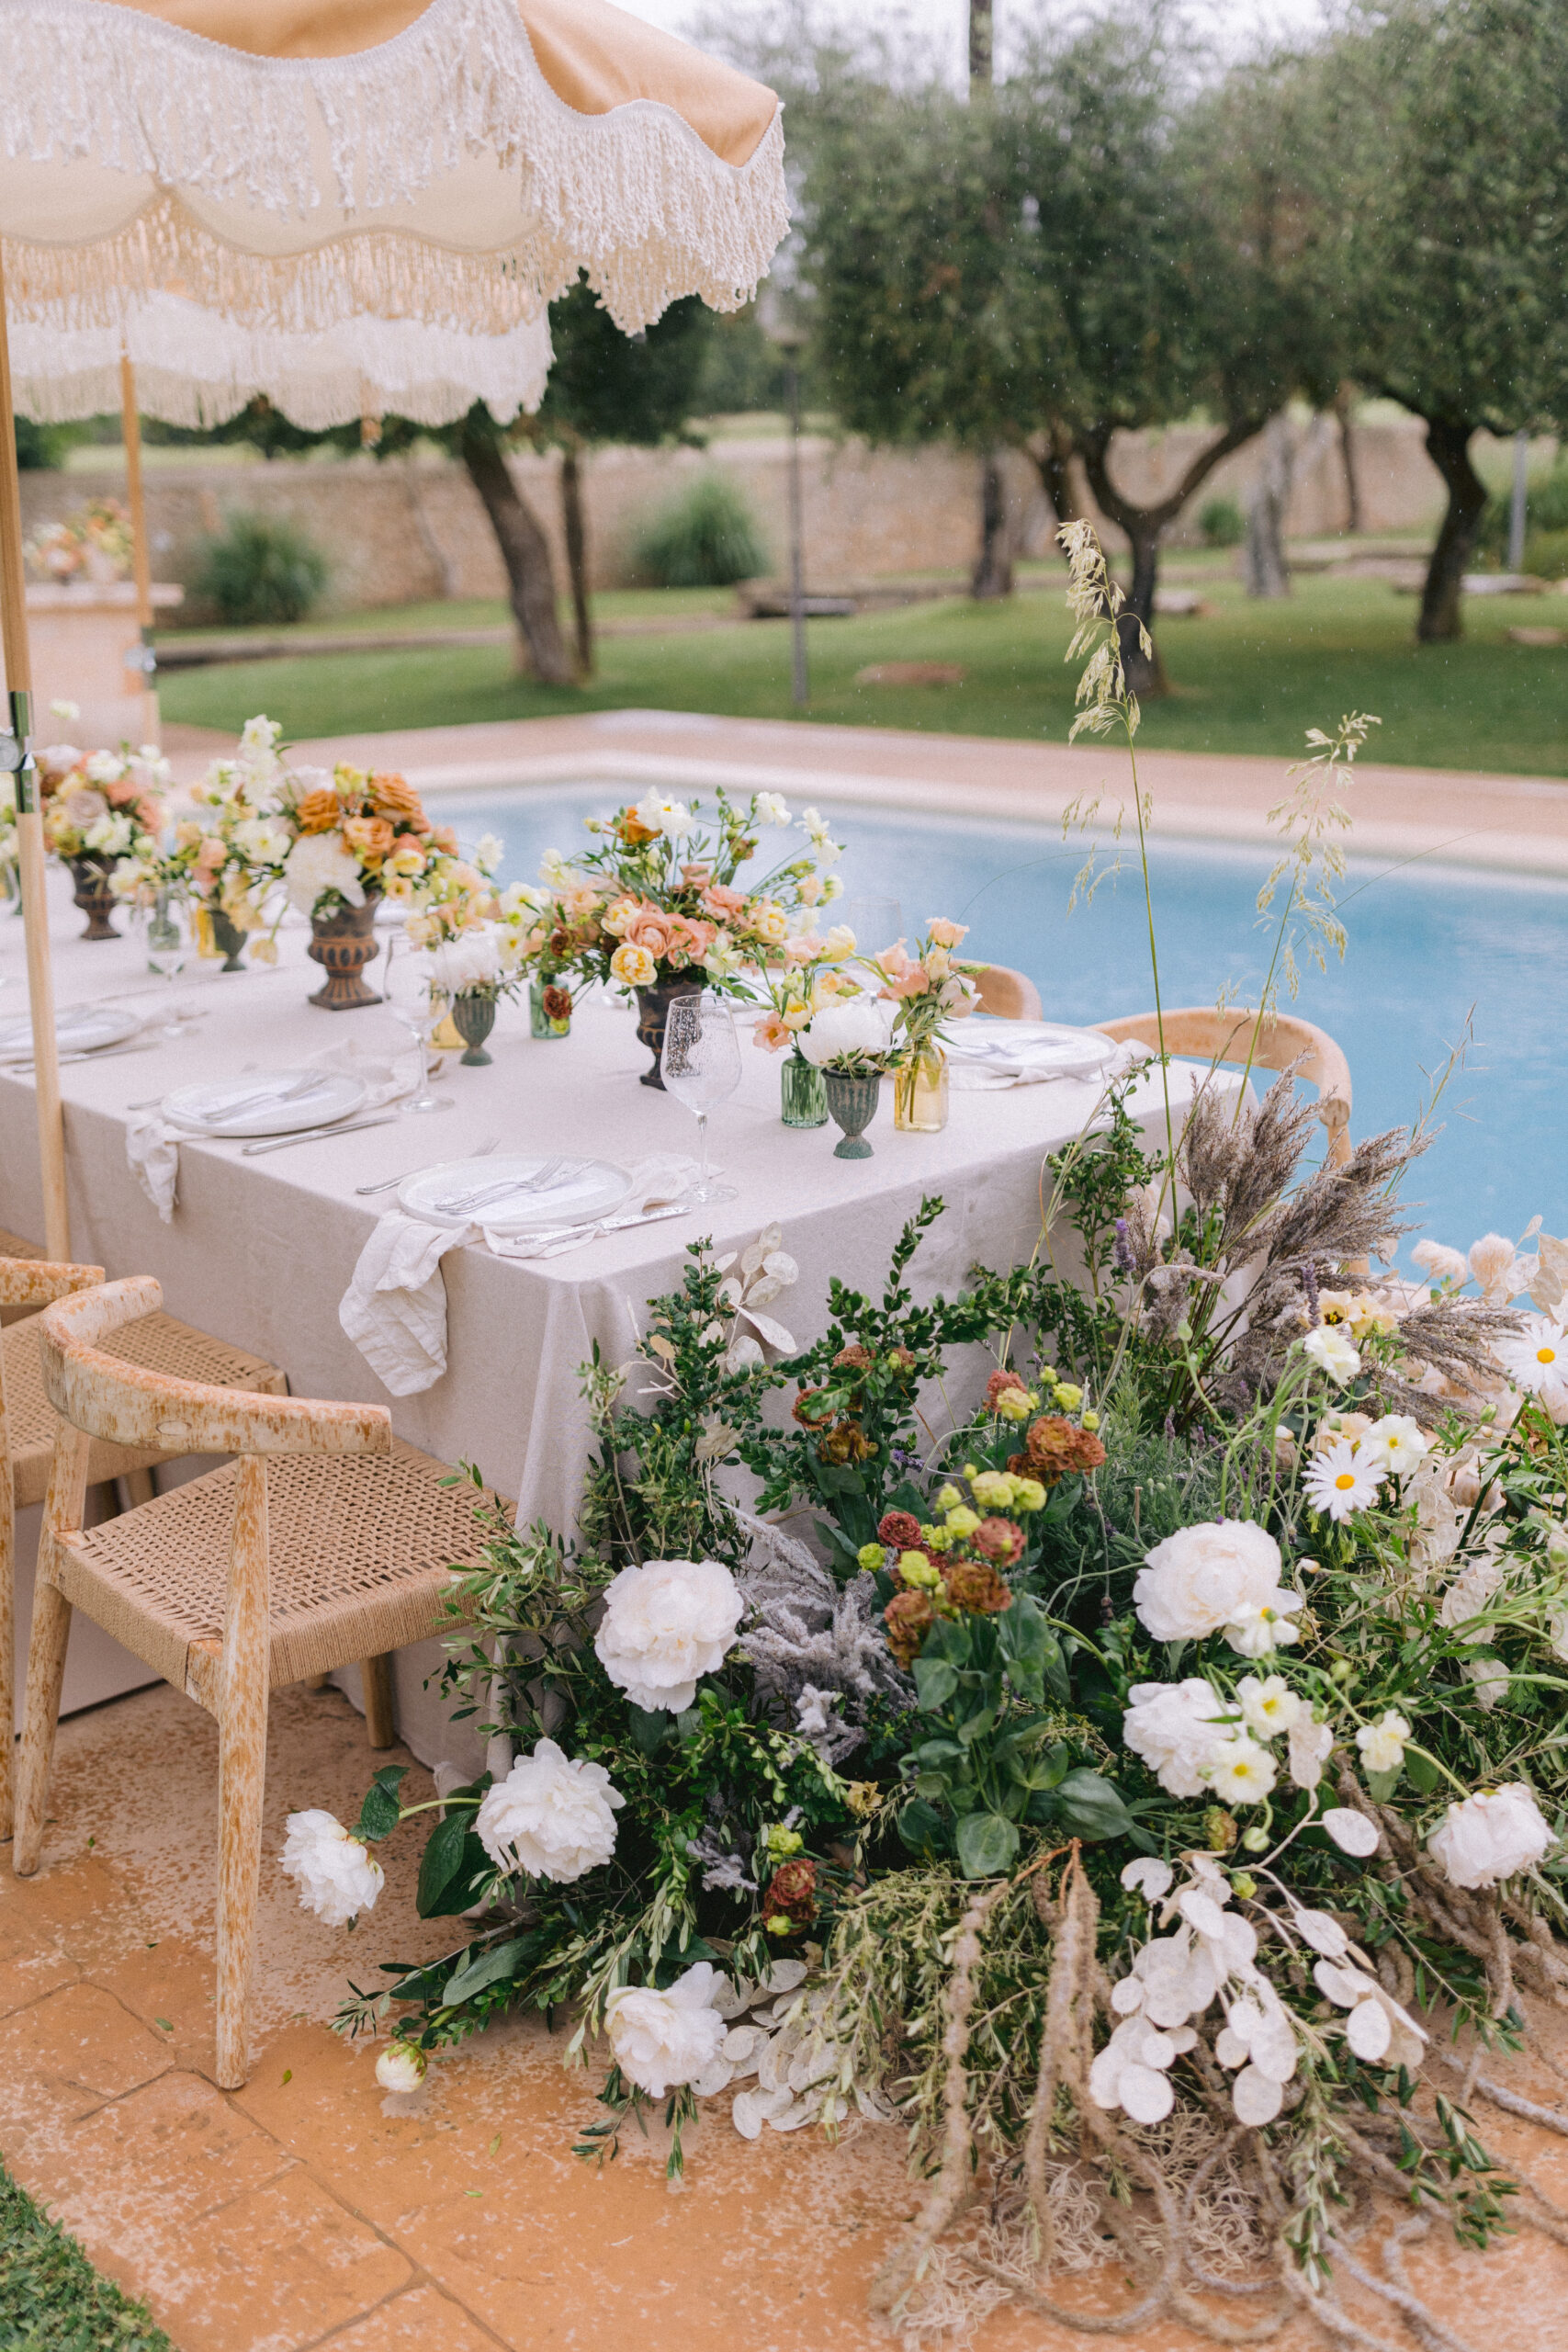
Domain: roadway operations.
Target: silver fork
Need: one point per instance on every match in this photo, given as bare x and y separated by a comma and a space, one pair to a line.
482, 1195
480, 1151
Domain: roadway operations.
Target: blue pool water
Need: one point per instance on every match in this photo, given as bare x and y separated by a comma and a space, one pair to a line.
1431, 948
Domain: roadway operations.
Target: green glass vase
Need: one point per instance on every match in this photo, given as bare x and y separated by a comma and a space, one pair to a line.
803, 1098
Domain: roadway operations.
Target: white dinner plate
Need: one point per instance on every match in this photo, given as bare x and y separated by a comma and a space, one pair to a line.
265, 1102
80, 1029
578, 1190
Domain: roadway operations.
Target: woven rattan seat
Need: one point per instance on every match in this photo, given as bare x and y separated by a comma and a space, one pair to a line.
360, 1554
324, 1543
159, 1344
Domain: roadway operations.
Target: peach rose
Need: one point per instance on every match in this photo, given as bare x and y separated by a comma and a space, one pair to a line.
371, 838
394, 797
318, 812
652, 931
211, 855
633, 965
723, 903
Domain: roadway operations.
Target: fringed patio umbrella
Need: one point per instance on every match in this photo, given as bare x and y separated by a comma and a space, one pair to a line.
296, 164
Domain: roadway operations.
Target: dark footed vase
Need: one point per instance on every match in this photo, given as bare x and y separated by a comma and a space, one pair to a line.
653, 1012
343, 944
93, 895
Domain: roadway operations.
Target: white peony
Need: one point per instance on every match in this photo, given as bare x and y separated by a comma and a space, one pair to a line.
401, 2067
553, 1817
337, 1876
666, 1625
1223, 1573
849, 1031
1178, 1729
472, 960
1383, 1744
664, 2039
319, 862
1332, 1352
1490, 1837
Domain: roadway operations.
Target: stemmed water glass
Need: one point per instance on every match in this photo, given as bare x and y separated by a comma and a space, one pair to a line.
876, 921
168, 934
406, 987
701, 1066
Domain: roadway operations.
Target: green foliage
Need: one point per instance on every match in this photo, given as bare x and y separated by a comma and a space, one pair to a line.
1546, 513
741, 371
1221, 523
43, 447
51, 2300
705, 538
607, 386
1546, 555
261, 569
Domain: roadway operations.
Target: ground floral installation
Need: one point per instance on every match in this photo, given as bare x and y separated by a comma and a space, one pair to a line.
1129, 1765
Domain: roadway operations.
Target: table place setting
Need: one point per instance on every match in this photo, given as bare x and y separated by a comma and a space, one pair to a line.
91, 1033
342, 1090
988, 1053
394, 1309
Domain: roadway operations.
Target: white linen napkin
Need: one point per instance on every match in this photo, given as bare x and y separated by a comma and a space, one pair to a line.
984, 1053
151, 1143
395, 1307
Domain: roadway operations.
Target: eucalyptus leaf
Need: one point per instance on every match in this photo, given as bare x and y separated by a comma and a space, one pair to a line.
378, 1814
1089, 1807
986, 1844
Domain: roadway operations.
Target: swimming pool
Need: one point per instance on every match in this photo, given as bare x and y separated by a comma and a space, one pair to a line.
1428, 945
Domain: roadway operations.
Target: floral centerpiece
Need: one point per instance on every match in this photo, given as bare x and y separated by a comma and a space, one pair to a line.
95, 544
100, 806
812, 976
849, 1041
658, 909
931, 988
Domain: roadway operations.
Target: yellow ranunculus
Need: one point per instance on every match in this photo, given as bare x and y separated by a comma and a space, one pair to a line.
916, 1569
1014, 1405
1028, 1494
1068, 1396
633, 967
963, 1521
992, 1489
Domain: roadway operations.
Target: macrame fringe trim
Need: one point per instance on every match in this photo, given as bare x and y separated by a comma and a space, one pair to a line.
633, 198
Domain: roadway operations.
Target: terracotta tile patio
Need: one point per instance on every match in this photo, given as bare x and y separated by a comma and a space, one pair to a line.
308, 2209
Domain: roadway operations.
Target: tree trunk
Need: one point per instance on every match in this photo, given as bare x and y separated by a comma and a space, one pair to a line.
1265, 570
1344, 407
575, 529
1447, 445
1053, 459
525, 552
981, 66
1144, 527
992, 576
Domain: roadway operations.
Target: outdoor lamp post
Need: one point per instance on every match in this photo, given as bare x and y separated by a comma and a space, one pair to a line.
790, 337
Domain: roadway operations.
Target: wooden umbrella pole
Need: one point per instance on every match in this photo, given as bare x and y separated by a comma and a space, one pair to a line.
29, 822
140, 549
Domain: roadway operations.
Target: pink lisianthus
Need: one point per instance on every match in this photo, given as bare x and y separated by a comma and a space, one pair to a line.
945, 934
209, 857
914, 980
801, 948
771, 1033
697, 874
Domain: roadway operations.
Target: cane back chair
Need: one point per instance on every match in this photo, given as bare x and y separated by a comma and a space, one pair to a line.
327, 1540
28, 1426
1282, 1042
1011, 995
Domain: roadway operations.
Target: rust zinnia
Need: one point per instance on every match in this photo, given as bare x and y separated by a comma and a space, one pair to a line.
974, 1585
792, 1893
556, 1003
899, 1530
908, 1618
1053, 1447
998, 1540
812, 1408
854, 1358
845, 1442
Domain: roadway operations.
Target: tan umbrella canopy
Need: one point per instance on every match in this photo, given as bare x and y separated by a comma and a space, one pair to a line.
295, 164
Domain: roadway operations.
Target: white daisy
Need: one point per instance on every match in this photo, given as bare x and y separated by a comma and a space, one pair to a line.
1395, 1443
1341, 1480
1536, 1357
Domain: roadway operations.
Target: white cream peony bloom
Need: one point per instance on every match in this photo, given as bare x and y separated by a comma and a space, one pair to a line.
1204, 1578
1178, 1729
1332, 1352
1342, 1480
854, 1030
664, 2039
401, 2067
337, 1876
553, 1817
665, 1625
319, 862
1490, 1837
1383, 1744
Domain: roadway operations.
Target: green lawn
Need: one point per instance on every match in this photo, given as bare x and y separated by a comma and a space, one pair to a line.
1248, 677
51, 2300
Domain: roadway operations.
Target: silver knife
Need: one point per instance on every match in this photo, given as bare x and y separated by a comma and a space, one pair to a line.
306, 1135
572, 1236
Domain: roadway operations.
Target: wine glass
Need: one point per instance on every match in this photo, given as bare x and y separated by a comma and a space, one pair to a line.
168, 934
701, 1066
406, 987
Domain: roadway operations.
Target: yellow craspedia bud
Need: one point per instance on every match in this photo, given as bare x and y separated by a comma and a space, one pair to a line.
948, 1498
1091, 1421
1068, 1396
1028, 1494
873, 1556
1015, 1404
969, 1470
1047, 1379
780, 1924
916, 1569
783, 1842
963, 1521
936, 1539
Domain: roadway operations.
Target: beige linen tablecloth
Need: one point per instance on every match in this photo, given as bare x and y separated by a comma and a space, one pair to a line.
260, 1251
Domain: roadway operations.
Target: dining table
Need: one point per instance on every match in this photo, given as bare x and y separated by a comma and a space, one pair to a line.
260, 1248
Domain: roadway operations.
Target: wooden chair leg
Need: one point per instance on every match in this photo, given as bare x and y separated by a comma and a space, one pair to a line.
46, 1671
376, 1675
242, 1773
135, 1488
7, 1634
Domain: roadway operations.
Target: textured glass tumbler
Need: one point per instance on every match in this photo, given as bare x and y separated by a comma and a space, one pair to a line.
920, 1093
802, 1096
